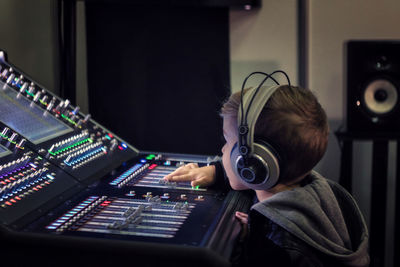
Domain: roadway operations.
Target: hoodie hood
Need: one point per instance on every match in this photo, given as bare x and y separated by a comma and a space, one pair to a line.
324, 215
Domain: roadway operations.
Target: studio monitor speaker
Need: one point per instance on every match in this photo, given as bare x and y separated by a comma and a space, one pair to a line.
372, 86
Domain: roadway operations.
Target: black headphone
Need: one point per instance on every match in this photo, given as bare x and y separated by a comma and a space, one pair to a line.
255, 161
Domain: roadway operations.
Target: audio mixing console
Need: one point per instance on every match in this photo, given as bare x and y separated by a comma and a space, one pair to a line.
68, 183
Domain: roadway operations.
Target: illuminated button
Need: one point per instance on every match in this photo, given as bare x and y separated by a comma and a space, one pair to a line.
196, 187
152, 166
151, 156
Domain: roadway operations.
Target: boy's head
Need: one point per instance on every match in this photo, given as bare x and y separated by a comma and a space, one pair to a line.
292, 121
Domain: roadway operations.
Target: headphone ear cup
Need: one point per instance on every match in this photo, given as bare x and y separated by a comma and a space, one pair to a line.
268, 156
261, 171
235, 158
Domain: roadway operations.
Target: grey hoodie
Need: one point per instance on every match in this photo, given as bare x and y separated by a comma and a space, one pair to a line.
321, 214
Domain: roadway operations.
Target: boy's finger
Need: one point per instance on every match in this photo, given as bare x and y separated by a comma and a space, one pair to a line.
203, 181
180, 178
241, 214
192, 165
199, 182
178, 171
168, 177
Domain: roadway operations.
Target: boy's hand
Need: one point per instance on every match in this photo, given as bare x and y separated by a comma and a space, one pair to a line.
203, 176
243, 218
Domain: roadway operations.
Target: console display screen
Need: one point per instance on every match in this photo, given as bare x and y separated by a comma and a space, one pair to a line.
28, 119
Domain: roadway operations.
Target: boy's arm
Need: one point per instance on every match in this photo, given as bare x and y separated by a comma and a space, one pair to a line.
221, 182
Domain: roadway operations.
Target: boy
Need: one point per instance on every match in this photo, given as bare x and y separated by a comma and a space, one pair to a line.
304, 219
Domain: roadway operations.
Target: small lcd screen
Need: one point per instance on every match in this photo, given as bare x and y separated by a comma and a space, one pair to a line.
3, 151
28, 119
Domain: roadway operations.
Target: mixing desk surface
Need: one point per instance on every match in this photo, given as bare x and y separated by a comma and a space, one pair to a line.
68, 184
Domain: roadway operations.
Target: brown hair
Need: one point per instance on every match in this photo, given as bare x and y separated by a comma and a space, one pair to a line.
296, 125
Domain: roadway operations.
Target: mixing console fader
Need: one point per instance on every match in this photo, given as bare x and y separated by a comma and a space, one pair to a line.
73, 188
27, 181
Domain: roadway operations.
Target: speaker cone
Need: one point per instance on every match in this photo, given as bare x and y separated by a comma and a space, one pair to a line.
380, 97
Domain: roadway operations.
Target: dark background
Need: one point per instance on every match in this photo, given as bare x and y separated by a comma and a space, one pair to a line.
159, 74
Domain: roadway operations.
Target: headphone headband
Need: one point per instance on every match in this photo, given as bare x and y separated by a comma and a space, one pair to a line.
257, 99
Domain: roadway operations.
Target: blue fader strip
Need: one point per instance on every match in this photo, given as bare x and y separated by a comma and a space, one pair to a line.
120, 178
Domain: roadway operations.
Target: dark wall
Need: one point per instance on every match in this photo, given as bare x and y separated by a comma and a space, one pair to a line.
157, 75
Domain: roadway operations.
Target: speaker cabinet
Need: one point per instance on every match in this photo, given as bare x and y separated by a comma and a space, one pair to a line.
373, 84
